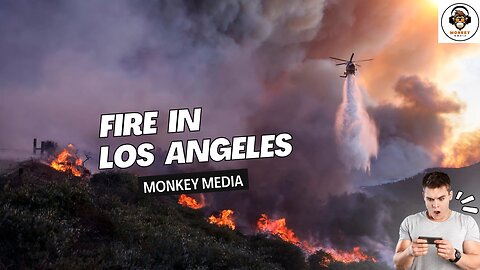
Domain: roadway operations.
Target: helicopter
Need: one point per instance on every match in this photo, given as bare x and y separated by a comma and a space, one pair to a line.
351, 66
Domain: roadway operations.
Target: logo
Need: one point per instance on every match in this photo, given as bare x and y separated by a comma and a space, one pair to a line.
459, 18
459, 23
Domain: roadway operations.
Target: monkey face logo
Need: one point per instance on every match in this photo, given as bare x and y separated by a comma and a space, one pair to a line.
459, 17
459, 22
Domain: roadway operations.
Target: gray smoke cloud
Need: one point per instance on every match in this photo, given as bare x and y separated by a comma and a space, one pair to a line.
410, 134
70, 62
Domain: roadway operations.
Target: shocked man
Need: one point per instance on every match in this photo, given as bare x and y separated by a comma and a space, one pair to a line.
438, 238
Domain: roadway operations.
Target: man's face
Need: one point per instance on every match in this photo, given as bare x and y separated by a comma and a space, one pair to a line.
437, 201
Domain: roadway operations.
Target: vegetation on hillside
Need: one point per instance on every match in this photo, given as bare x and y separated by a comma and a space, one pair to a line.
50, 219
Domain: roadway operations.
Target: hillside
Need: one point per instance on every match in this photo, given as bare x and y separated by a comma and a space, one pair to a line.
51, 219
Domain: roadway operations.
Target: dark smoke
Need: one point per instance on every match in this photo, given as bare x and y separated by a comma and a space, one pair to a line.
411, 134
366, 27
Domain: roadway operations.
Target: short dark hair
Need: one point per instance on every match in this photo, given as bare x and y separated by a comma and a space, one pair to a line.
436, 180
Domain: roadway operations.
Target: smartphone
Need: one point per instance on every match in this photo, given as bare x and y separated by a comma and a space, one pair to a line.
430, 240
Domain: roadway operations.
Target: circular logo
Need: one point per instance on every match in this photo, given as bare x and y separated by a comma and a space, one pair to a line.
460, 22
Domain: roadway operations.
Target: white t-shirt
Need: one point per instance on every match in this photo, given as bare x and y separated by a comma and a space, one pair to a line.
456, 229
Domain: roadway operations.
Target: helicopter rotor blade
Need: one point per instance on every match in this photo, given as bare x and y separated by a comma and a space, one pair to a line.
340, 64
364, 60
334, 58
351, 57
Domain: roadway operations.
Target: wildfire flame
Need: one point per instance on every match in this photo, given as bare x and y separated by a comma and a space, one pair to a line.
191, 202
462, 152
67, 161
224, 219
356, 255
279, 227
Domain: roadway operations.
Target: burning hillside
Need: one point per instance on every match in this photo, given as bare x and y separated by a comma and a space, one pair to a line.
104, 219
279, 228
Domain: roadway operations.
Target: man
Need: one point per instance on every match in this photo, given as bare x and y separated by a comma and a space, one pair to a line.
460, 244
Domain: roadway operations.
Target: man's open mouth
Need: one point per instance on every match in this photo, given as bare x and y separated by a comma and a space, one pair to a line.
436, 212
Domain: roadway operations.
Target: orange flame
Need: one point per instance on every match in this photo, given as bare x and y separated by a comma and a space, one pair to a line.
191, 202
279, 227
67, 161
224, 219
356, 255
463, 152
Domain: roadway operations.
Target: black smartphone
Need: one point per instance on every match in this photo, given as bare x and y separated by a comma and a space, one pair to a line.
430, 240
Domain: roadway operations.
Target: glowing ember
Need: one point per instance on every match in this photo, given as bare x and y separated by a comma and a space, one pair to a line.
224, 219
279, 227
191, 202
67, 161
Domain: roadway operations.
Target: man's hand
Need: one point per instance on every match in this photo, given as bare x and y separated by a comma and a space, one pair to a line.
407, 250
445, 249
418, 247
